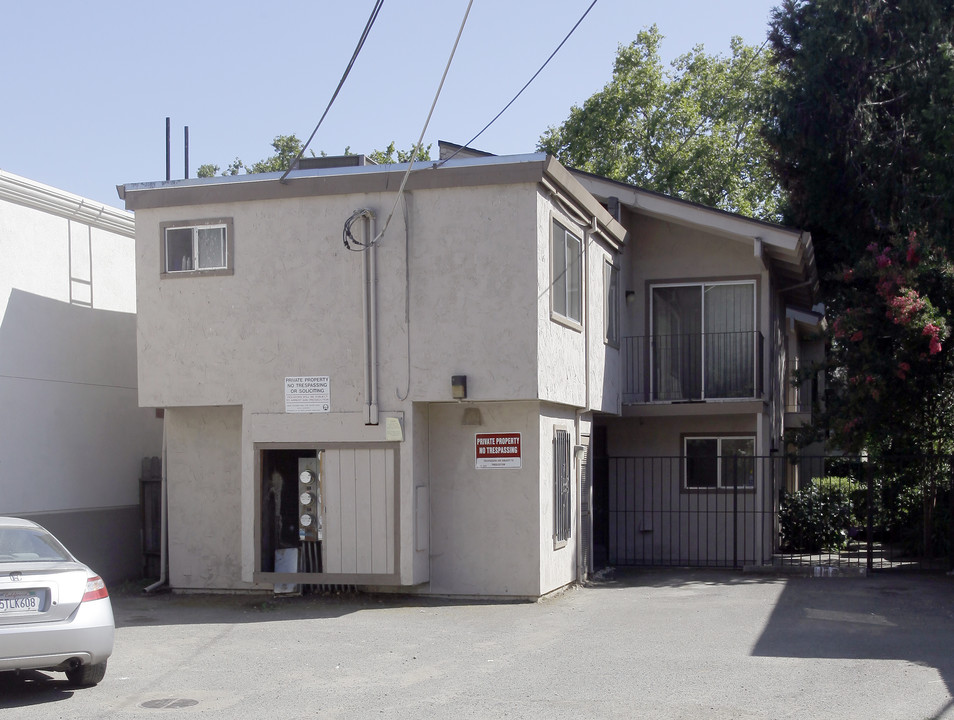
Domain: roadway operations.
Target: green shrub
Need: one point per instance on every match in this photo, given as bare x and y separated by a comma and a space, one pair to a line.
817, 517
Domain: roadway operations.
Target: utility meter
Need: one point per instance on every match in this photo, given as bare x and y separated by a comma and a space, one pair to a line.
309, 505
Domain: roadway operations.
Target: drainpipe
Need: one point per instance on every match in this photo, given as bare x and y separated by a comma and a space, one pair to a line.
580, 564
163, 519
369, 304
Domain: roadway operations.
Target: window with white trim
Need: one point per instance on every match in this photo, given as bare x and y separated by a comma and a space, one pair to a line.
712, 463
197, 247
566, 274
611, 304
562, 455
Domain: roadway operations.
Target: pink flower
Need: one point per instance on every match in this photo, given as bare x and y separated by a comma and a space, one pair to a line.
856, 336
883, 260
837, 329
905, 306
849, 275
905, 367
933, 331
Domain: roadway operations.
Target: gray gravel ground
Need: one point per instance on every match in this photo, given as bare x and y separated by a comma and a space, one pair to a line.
662, 644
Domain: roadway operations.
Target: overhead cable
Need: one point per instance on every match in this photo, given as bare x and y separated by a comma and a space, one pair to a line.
420, 140
354, 56
468, 143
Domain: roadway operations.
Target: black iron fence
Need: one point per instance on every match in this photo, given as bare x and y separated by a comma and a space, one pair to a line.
827, 512
697, 366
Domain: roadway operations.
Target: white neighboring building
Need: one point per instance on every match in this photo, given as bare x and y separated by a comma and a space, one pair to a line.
72, 437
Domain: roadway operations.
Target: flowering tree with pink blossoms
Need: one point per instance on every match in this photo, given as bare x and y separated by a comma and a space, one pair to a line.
890, 359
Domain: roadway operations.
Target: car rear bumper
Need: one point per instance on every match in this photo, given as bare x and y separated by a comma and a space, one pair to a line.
86, 636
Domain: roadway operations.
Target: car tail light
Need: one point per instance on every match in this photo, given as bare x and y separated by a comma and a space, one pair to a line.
95, 588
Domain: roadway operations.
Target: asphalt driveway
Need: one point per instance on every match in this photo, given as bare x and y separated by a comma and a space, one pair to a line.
672, 644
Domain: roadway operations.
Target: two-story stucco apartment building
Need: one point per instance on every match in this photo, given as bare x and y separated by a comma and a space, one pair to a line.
401, 392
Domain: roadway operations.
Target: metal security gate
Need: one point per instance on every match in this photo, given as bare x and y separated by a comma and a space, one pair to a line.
836, 512
656, 519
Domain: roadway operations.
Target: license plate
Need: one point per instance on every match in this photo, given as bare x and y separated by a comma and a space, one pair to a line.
19, 602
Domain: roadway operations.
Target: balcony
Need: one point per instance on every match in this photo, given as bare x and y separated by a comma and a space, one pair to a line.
692, 368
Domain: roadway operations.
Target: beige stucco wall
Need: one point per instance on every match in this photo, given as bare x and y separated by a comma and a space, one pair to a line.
559, 561
485, 525
491, 530
669, 252
459, 273
204, 471
293, 306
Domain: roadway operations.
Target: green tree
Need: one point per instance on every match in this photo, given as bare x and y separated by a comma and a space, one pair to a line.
389, 155
693, 132
860, 125
862, 138
287, 148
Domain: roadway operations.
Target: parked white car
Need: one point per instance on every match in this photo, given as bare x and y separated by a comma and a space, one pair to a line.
55, 613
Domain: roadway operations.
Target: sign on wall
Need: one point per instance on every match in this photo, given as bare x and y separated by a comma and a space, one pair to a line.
497, 450
308, 394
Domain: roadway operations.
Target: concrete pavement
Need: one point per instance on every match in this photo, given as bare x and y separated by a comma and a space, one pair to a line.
648, 644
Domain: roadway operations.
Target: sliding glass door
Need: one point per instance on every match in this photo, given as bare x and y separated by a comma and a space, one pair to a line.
703, 341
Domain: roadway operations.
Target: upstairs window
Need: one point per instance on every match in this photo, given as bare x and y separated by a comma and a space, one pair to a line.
566, 274
197, 248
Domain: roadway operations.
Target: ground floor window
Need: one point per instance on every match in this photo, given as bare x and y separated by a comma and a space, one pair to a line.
561, 486
714, 462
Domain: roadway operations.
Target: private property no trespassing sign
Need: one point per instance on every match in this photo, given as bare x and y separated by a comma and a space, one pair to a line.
497, 450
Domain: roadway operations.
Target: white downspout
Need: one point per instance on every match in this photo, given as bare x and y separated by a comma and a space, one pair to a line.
580, 565
163, 518
369, 303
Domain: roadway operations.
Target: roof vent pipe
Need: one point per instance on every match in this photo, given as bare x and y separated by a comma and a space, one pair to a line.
168, 153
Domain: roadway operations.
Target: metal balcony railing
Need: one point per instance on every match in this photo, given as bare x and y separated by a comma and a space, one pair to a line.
693, 367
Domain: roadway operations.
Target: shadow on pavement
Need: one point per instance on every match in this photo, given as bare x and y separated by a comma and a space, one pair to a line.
33, 687
132, 609
885, 617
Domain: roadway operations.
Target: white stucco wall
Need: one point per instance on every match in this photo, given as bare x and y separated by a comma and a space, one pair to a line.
72, 436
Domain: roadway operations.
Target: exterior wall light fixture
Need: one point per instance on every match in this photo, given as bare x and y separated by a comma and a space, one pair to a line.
459, 387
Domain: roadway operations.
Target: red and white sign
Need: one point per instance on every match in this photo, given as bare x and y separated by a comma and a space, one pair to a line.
497, 450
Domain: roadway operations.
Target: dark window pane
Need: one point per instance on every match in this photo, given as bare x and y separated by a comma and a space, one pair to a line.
178, 249
702, 468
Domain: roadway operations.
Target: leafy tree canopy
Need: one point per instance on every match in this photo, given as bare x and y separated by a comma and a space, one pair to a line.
693, 132
862, 139
861, 126
287, 148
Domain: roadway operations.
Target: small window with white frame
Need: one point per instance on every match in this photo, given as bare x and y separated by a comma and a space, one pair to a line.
719, 463
566, 275
202, 247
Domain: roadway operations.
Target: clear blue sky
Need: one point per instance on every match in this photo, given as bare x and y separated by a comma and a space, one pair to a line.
86, 86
